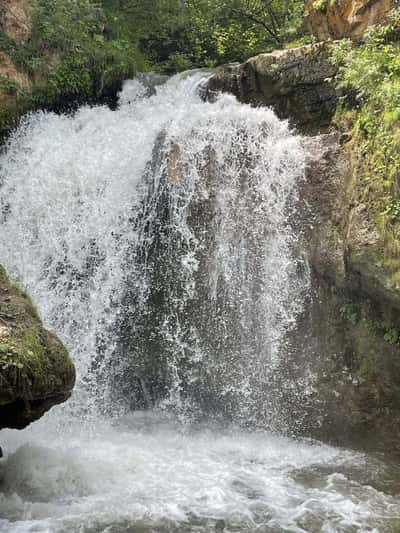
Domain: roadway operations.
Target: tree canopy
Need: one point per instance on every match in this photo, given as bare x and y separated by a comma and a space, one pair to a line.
179, 34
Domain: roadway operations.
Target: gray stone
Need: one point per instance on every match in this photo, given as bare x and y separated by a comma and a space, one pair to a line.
297, 83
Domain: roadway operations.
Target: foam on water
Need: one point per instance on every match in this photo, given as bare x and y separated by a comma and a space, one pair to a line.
149, 474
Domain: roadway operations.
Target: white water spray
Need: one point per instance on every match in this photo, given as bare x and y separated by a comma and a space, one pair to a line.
82, 200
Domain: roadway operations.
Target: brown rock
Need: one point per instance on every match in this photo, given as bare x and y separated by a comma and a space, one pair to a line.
15, 19
174, 167
335, 19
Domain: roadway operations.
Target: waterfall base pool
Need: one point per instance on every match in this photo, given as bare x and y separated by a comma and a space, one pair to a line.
149, 474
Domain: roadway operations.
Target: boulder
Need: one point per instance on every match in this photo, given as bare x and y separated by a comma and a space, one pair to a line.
296, 82
36, 371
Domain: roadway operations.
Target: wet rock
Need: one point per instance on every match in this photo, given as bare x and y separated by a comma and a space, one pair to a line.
174, 166
347, 337
345, 352
36, 372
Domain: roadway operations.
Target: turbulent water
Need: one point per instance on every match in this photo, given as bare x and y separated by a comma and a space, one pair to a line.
159, 241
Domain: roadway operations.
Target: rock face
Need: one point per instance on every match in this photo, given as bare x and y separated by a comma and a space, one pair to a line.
15, 20
295, 82
348, 334
348, 338
335, 19
36, 372
15, 24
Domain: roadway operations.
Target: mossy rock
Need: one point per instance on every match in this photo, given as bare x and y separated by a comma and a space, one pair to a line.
36, 371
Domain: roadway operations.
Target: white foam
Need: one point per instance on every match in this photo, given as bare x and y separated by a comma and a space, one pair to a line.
149, 473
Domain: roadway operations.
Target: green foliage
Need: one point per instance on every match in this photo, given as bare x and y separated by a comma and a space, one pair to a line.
389, 332
356, 314
392, 336
369, 75
70, 52
320, 5
370, 72
351, 313
80, 48
7, 44
8, 85
176, 35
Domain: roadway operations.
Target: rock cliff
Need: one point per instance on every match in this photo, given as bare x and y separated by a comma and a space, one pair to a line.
335, 19
349, 334
348, 337
15, 25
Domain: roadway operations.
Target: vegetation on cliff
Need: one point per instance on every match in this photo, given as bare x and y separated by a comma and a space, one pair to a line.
67, 53
369, 78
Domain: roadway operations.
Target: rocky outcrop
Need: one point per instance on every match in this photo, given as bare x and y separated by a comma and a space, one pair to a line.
36, 372
335, 19
348, 337
297, 83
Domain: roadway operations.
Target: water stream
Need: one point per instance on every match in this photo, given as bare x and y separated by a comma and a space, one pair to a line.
160, 242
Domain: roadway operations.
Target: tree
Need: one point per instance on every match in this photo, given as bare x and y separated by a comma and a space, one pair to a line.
180, 34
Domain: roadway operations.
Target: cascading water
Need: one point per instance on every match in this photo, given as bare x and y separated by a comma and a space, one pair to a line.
159, 242
155, 241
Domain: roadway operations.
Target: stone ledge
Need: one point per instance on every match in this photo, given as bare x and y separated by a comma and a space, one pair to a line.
297, 83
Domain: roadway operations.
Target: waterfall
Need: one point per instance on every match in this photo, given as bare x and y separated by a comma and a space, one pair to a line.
161, 242
156, 242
